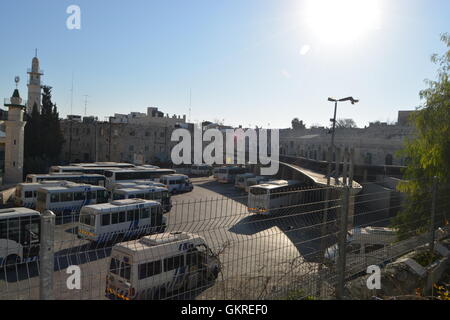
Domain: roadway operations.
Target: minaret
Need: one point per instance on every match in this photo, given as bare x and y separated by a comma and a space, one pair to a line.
34, 85
14, 141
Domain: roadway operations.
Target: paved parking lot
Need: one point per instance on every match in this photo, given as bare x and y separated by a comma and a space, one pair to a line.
256, 253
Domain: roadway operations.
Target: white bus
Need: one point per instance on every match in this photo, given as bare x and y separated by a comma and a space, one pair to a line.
177, 183
19, 236
120, 219
94, 167
256, 180
94, 179
201, 170
241, 180
159, 194
272, 197
157, 265
66, 201
122, 175
25, 194
228, 174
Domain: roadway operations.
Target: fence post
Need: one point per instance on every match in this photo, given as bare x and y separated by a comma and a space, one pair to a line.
433, 213
46, 255
342, 240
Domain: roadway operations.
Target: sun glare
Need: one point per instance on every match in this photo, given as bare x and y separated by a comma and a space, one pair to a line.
342, 21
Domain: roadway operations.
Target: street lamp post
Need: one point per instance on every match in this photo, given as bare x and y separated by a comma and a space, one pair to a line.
353, 101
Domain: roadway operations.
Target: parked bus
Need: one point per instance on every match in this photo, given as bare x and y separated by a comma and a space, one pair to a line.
25, 194
93, 167
66, 201
120, 219
256, 180
159, 194
157, 265
241, 180
201, 170
134, 183
93, 179
104, 164
122, 175
228, 174
177, 183
272, 197
19, 236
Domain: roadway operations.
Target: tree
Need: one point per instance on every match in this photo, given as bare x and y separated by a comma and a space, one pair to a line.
43, 136
428, 154
297, 124
346, 123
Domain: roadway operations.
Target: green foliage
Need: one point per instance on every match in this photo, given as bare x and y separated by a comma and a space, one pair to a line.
43, 136
428, 153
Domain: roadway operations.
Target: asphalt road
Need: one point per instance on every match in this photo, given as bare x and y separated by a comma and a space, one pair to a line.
260, 255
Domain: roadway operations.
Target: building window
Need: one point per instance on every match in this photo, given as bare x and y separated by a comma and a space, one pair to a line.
388, 160
131, 148
368, 158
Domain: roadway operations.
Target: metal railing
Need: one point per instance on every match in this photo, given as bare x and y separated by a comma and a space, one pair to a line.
293, 252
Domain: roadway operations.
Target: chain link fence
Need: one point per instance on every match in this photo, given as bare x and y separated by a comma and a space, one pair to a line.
304, 243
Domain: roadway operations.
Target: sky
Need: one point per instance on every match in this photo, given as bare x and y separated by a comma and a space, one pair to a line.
243, 62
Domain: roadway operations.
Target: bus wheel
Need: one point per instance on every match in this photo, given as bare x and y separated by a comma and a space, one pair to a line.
12, 261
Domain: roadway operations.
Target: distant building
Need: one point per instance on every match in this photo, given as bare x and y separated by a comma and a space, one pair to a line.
134, 137
376, 144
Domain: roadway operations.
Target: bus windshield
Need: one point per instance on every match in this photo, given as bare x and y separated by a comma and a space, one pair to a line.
87, 219
120, 268
258, 191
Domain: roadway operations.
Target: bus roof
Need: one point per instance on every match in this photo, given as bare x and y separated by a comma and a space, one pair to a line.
17, 212
120, 204
161, 244
64, 174
174, 175
277, 184
71, 186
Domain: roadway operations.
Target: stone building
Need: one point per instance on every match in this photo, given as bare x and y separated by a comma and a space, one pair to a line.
136, 137
376, 144
13, 140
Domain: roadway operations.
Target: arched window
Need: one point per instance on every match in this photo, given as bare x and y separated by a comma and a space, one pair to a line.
368, 158
388, 160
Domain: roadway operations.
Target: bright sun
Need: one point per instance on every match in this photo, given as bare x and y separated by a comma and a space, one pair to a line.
342, 21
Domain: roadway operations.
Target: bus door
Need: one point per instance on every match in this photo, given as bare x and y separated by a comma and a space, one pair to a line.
30, 236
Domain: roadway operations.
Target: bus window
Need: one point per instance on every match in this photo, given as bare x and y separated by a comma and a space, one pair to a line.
145, 213
101, 196
66, 196
122, 217
91, 195
130, 215
173, 263
78, 196
192, 257
114, 218
149, 269
53, 197
106, 219
28, 194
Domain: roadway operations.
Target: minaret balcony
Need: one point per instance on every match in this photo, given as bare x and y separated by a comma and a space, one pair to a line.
39, 71
14, 102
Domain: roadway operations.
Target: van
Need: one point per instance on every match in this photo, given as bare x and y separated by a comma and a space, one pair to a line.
177, 183
157, 265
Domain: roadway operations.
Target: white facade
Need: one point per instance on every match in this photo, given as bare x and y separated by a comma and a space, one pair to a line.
14, 140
